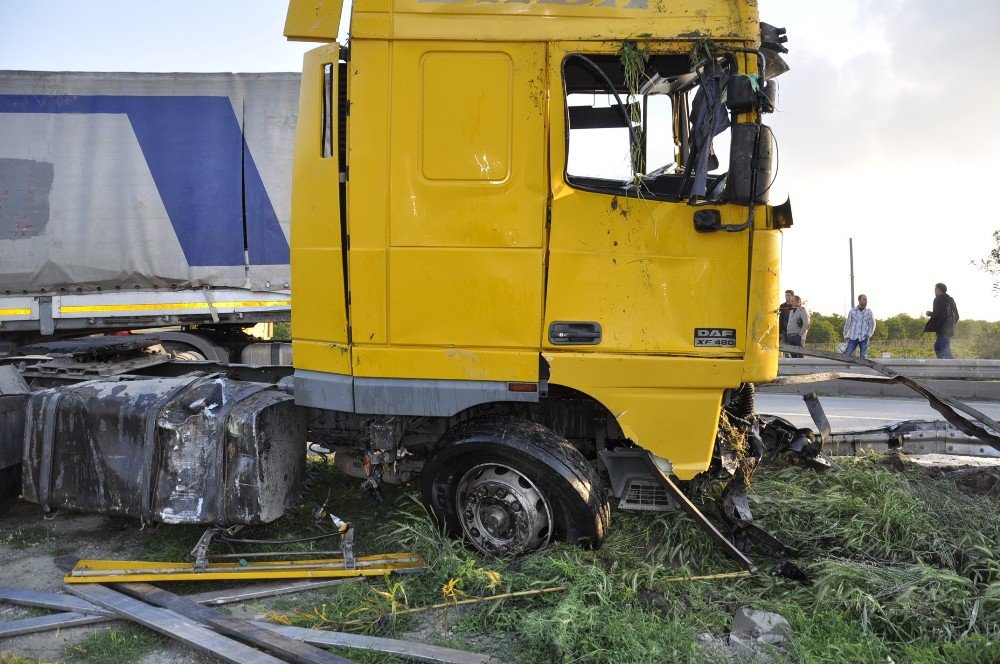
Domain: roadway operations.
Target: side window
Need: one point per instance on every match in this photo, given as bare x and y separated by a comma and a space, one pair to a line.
618, 142
328, 106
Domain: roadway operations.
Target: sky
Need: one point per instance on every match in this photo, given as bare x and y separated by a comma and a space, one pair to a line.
884, 126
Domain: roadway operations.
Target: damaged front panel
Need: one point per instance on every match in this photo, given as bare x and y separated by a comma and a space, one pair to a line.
189, 450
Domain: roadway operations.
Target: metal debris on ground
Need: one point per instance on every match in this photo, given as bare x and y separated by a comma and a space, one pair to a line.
115, 571
188, 621
753, 628
79, 612
413, 651
290, 649
980, 426
175, 626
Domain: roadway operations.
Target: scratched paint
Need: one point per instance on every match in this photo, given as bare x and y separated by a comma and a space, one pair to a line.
25, 185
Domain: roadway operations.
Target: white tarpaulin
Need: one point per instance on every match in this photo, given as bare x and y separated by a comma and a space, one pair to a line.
117, 180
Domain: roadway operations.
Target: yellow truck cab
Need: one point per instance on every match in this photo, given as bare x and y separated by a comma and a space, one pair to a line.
517, 260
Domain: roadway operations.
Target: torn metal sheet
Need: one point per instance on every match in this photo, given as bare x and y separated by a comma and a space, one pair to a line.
984, 427
190, 450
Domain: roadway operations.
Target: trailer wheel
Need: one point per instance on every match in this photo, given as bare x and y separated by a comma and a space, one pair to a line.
510, 486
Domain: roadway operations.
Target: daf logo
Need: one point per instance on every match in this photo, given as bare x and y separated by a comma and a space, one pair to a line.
715, 332
715, 337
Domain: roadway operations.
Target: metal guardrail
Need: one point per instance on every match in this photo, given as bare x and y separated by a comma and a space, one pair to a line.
932, 369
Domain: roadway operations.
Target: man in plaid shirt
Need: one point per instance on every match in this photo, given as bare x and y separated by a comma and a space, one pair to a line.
859, 328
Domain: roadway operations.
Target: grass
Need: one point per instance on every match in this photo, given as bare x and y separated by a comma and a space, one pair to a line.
905, 566
115, 645
11, 658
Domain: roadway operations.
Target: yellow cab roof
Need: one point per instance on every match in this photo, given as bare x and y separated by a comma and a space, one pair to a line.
528, 20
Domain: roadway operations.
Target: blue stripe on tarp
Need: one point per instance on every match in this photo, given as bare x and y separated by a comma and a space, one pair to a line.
192, 146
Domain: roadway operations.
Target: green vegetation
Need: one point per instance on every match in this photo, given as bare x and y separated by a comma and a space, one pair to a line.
903, 336
115, 645
906, 568
10, 658
991, 264
282, 332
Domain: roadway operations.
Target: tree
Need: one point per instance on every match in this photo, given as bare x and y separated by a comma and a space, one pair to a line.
822, 331
895, 327
881, 333
991, 264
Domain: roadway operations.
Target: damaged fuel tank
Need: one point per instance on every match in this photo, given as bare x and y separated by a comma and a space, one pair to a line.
197, 449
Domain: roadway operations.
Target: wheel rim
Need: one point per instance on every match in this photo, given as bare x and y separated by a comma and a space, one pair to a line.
502, 511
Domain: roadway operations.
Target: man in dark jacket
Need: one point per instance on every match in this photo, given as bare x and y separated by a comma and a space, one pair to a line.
943, 319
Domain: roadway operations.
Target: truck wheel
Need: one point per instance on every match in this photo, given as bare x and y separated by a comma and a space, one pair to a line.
510, 486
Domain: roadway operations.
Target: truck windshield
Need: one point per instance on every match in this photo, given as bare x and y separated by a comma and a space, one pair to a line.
641, 142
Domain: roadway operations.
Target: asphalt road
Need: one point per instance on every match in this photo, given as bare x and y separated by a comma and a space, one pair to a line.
858, 413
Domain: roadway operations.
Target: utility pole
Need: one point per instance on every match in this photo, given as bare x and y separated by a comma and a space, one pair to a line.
850, 245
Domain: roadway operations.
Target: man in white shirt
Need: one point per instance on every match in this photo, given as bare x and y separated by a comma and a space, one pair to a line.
798, 324
859, 327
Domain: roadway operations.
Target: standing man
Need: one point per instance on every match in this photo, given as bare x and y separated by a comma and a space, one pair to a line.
798, 324
859, 327
943, 319
783, 310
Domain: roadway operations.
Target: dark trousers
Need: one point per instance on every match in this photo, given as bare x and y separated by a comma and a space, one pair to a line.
942, 347
795, 340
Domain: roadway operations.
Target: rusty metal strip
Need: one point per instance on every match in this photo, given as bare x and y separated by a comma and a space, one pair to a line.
815, 409
942, 403
727, 547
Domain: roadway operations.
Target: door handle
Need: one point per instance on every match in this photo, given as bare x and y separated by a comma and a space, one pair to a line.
566, 333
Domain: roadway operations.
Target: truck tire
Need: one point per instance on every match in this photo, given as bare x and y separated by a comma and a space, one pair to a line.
510, 486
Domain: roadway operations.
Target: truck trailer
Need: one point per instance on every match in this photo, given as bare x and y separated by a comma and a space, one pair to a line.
131, 201
522, 276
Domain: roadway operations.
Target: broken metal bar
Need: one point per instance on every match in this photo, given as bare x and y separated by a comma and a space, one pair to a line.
415, 652
804, 379
115, 571
283, 646
173, 625
75, 607
44, 623
45, 600
818, 416
264, 590
942, 403
727, 547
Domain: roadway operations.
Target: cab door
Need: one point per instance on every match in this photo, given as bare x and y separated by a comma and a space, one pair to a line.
628, 272
460, 257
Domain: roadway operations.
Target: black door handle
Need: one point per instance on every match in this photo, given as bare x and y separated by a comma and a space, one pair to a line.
566, 333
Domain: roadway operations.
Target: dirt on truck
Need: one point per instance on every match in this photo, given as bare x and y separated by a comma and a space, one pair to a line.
534, 262
500, 244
